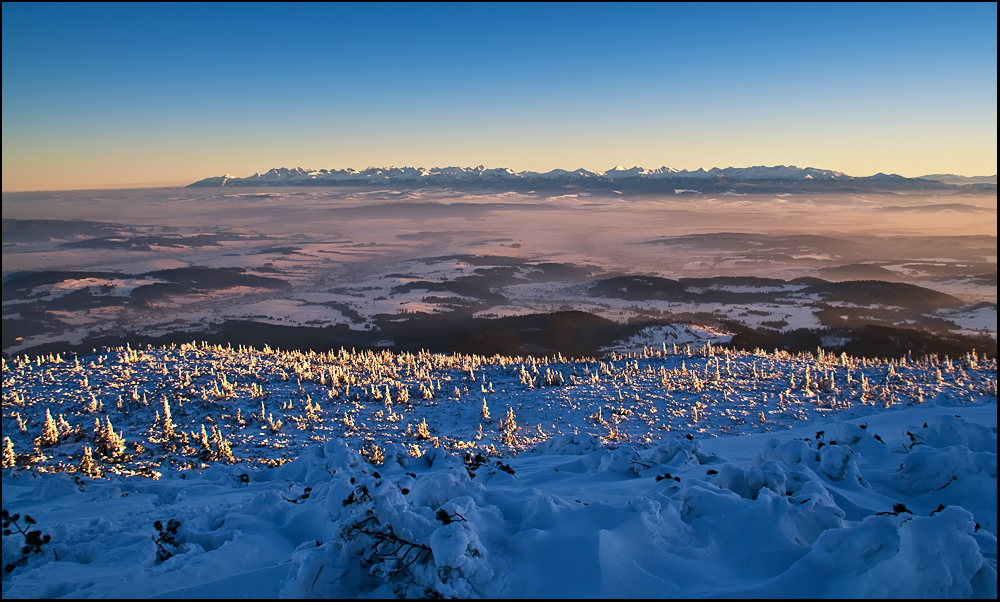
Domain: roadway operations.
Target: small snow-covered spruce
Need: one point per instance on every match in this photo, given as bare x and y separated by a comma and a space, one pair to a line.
65, 430
166, 422
509, 427
50, 432
509, 424
107, 442
21, 425
485, 412
423, 433
403, 395
222, 451
87, 465
273, 425
9, 457
33, 540
206, 449
93, 406
373, 453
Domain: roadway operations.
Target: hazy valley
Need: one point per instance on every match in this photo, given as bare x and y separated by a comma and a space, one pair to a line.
386, 268
425, 391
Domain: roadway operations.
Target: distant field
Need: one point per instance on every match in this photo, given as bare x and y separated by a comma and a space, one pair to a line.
451, 270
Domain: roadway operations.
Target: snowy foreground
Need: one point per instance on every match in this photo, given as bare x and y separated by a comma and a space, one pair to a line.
208, 472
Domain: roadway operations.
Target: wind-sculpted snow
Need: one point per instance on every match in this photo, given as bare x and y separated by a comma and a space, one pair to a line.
419, 475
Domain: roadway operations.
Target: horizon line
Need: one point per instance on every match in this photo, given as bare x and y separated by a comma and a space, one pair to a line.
183, 184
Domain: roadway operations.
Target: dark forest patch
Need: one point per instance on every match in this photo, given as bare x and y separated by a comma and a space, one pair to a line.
860, 271
481, 260
40, 230
278, 251
865, 341
985, 279
217, 278
22, 281
571, 333
762, 245
857, 292
474, 287
82, 299
640, 288
159, 291
547, 271
875, 292
14, 329
145, 243
746, 281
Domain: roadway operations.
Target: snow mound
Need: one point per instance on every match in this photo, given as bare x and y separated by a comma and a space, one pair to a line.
841, 514
569, 445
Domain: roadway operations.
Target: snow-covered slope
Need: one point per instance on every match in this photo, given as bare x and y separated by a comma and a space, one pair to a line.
669, 472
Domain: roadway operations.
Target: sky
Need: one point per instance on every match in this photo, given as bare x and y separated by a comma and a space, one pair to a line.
135, 95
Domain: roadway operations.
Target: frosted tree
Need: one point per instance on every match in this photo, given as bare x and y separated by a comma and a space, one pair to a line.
206, 449
485, 412
64, 428
9, 457
223, 451
509, 427
108, 442
50, 432
87, 465
509, 424
167, 422
423, 433
93, 406
273, 425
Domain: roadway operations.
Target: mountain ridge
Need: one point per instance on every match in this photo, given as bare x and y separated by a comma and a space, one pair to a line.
665, 178
950, 178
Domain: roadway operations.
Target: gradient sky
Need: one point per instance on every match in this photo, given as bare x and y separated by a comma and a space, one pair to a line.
99, 95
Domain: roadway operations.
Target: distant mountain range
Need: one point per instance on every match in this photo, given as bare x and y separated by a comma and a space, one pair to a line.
949, 178
759, 178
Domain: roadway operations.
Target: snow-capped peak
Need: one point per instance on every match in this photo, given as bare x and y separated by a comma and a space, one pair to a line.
453, 174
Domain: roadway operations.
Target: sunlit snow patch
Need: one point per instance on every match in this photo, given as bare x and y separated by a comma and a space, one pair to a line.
665, 337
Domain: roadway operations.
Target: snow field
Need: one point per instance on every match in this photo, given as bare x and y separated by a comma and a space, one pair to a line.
575, 519
541, 477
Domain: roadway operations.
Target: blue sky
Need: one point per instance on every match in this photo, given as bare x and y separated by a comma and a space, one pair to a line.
116, 95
